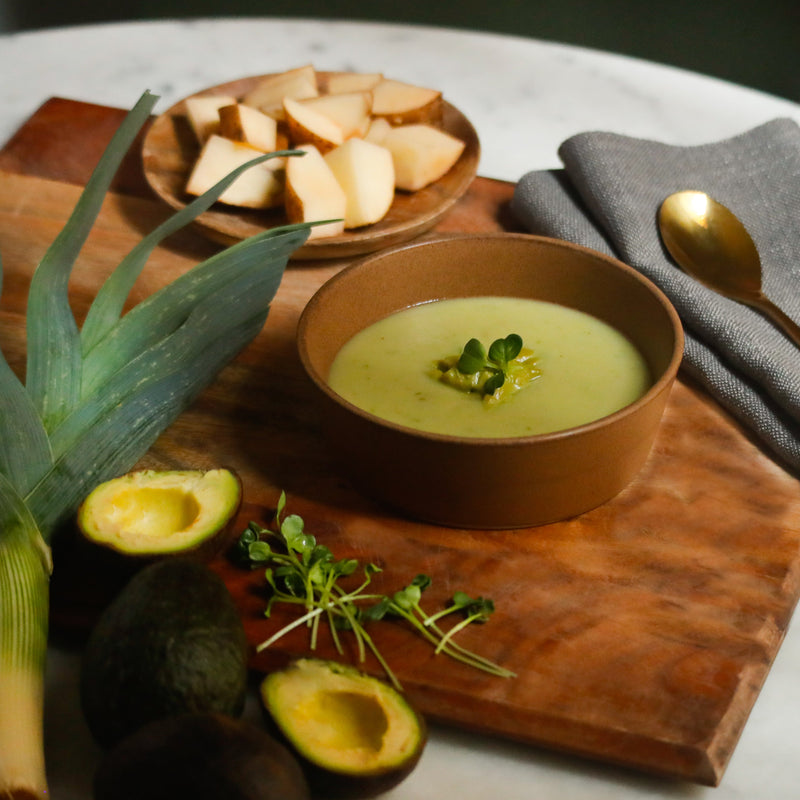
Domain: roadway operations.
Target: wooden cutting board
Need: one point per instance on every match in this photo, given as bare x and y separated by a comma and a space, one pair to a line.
640, 632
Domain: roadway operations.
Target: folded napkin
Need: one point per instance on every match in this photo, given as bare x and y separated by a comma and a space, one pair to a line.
607, 197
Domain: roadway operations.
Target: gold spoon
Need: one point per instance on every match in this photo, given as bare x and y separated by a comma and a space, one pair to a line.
710, 243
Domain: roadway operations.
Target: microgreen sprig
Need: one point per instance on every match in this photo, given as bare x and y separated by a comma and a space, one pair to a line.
405, 604
300, 571
474, 358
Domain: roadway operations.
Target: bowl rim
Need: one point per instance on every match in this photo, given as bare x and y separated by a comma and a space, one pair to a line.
662, 383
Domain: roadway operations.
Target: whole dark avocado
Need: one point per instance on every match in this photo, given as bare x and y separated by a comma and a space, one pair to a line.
199, 756
171, 642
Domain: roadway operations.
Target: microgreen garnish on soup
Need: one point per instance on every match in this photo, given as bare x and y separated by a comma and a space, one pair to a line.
475, 359
495, 374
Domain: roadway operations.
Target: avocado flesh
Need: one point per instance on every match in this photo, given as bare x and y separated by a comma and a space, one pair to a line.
356, 734
361, 730
150, 513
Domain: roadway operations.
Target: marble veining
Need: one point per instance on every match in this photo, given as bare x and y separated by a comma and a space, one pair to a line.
524, 97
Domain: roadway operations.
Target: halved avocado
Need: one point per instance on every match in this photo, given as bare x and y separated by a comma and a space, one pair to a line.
355, 735
150, 513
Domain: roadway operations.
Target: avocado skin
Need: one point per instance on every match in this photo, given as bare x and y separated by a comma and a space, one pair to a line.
201, 756
172, 641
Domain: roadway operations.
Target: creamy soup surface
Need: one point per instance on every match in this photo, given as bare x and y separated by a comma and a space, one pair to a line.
588, 369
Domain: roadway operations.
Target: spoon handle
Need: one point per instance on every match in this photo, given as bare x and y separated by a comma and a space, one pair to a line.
782, 320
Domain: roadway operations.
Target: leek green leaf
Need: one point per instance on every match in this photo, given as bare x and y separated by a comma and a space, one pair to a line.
163, 379
18, 526
24, 447
161, 313
143, 417
53, 375
107, 306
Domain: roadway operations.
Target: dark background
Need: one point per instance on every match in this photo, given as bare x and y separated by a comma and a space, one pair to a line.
751, 42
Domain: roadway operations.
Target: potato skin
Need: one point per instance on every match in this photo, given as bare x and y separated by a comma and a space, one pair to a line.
199, 756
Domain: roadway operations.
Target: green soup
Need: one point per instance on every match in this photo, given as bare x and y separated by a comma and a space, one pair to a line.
588, 369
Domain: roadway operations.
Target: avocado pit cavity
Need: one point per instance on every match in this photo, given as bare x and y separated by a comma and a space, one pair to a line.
359, 738
149, 512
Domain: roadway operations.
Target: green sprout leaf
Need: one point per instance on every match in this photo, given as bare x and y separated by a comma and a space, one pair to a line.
496, 363
473, 358
494, 383
299, 571
504, 350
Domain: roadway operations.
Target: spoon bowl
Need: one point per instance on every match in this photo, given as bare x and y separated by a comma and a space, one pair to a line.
710, 243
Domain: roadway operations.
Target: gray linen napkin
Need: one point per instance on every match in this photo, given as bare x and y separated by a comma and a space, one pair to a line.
607, 198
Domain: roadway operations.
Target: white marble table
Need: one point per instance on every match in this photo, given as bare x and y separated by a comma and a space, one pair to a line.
524, 97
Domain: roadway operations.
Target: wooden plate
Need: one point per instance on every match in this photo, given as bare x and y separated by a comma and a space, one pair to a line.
169, 151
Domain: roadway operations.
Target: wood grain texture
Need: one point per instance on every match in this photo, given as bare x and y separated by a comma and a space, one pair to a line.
641, 632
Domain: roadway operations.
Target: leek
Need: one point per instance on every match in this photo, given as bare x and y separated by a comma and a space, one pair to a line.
94, 401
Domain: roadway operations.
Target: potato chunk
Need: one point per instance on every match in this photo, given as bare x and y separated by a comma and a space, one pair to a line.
421, 153
366, 173
308, 126
339, 82
203, 114
377, 130
268, 95
404, 103
349, 110
313, 193
249, 125
261, 186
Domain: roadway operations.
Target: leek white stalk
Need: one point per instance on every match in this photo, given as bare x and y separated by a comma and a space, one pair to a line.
94, 401
24, 572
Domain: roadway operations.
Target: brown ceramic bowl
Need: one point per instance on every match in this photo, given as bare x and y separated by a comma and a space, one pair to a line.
491, 483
